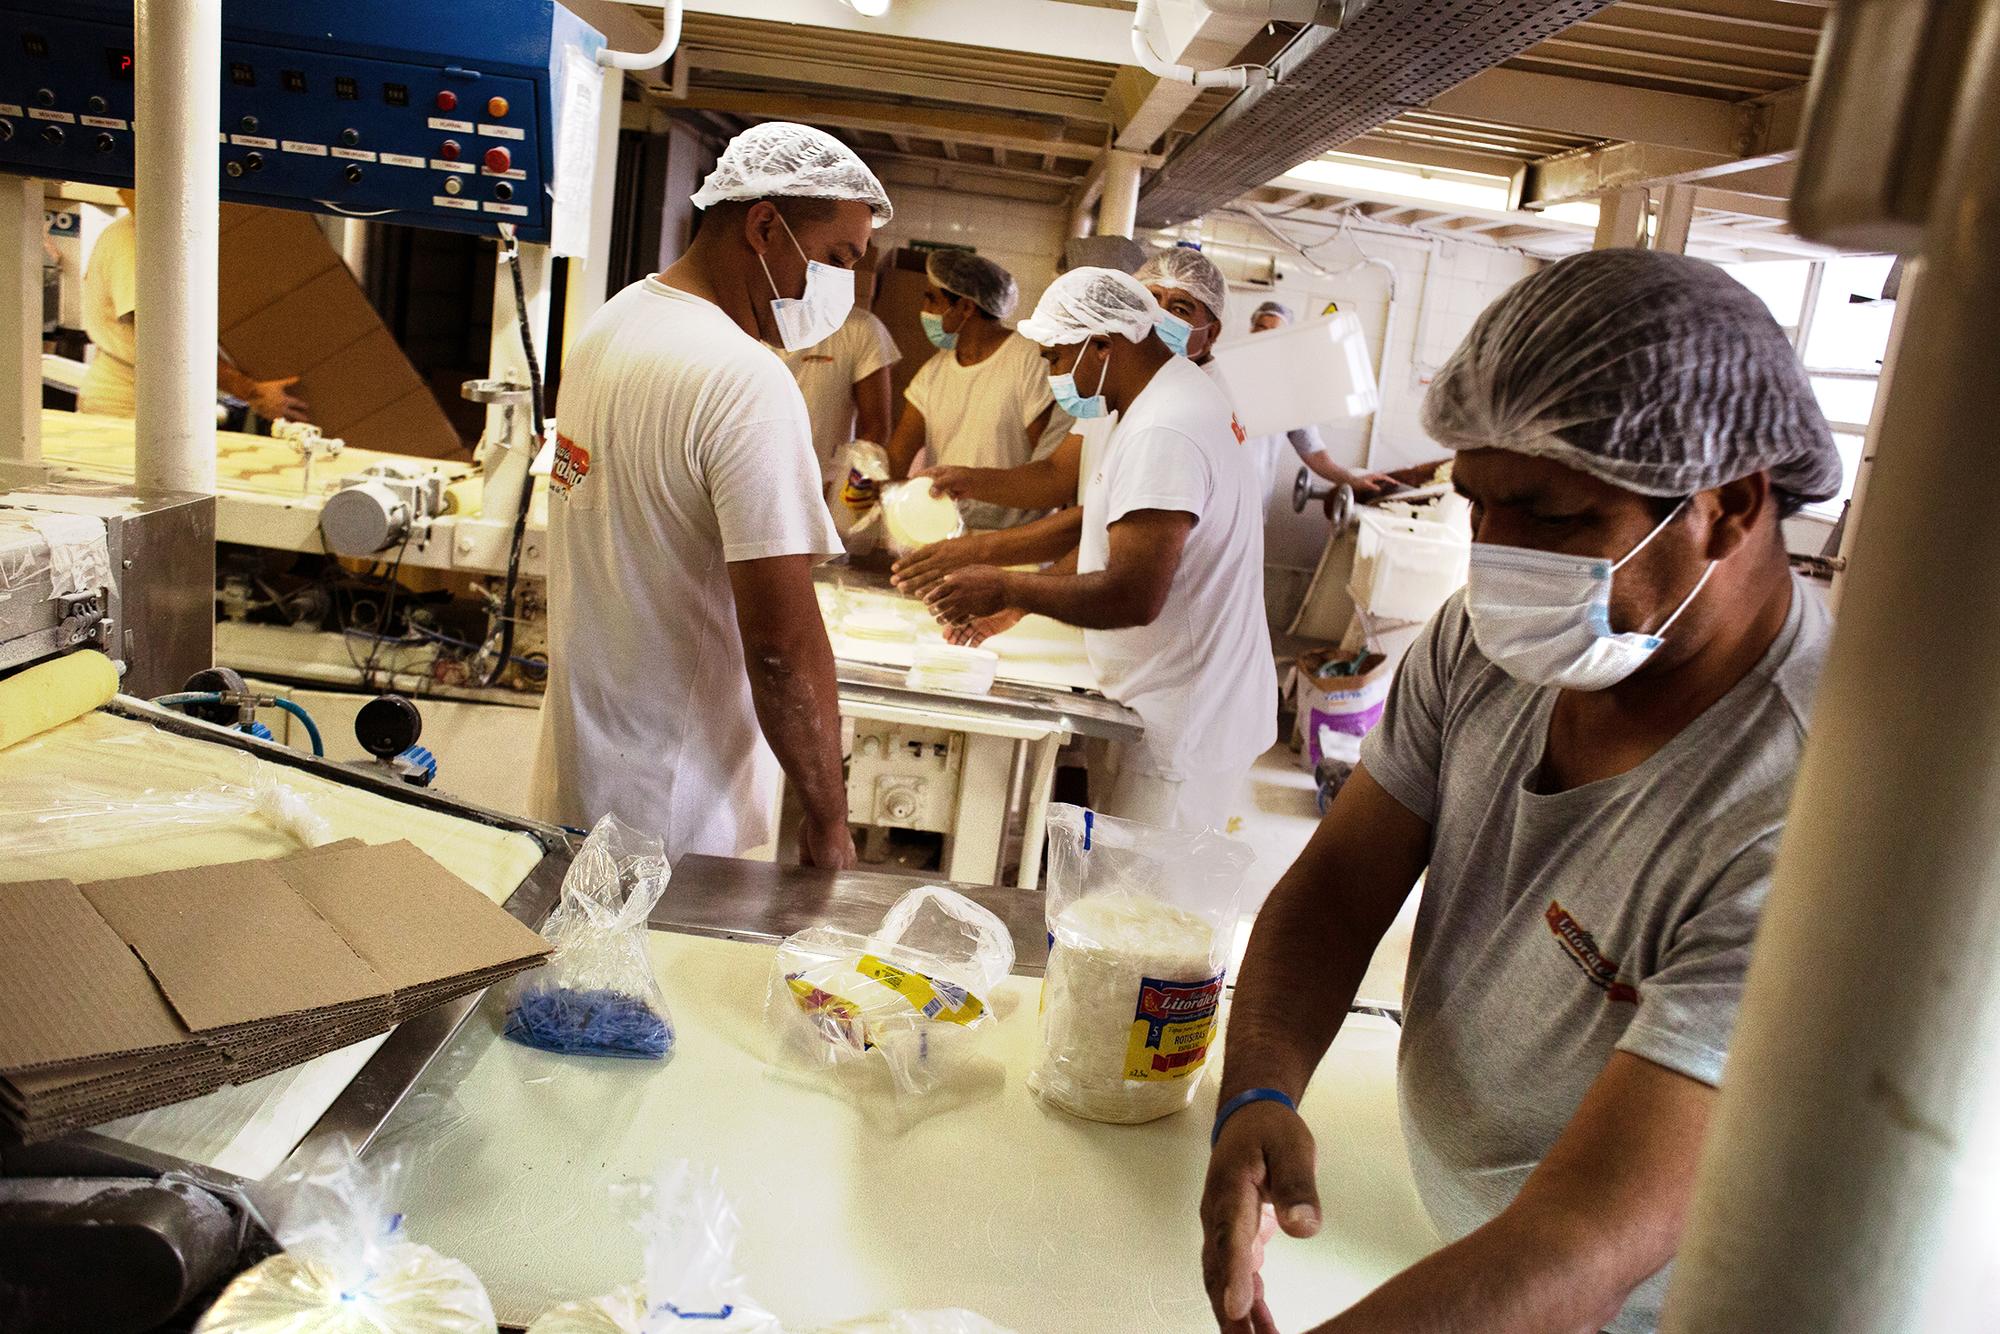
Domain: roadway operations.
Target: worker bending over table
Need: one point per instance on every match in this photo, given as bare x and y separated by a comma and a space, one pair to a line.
686, 516
983, 400
1168, 580
845, 378
1194, 293
1305, 440
1588, 756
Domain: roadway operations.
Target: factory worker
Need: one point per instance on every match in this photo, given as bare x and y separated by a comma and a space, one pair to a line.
110, 317
1168, 580
686, 516
1587, 756
1193, 292
1305, 441
845, 379
983, 400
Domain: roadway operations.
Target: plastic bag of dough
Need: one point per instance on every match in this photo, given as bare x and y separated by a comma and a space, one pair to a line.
859, 468
1141, 921
954, 1321
913, 518
346, 1268
690, 1281
597, 995
914, 994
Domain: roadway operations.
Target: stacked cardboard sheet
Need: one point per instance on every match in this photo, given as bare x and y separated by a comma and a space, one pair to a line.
125, 995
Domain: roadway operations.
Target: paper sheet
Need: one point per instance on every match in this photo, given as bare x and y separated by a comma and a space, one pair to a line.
1043, 1223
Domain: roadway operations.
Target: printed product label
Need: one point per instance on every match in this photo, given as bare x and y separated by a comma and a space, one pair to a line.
1172, 1029
859, 491
401, 160
837, 1018
300, 146
571, 465
448, 201
933, 999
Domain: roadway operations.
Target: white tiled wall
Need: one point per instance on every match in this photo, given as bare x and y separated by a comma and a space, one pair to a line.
1023, 238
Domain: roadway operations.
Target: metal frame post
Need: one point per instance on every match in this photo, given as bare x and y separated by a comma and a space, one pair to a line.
21, 320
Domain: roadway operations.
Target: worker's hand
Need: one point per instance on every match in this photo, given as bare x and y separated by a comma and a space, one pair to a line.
1261, 1171
828, 847
273, 400
974, 633
963, 596
919, 572
1372, 485
947, 482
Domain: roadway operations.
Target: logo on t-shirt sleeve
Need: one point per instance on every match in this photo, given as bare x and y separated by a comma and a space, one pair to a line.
1237, 427
1582, 949
572, 464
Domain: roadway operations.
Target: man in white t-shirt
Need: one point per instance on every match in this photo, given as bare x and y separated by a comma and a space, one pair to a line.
1168, 579
110, 313
845, 380
983, 401
687, 516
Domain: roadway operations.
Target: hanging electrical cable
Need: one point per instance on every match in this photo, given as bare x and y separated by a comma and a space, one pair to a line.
510, 254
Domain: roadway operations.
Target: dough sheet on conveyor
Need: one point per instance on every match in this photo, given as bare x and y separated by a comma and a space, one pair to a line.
1039, 1221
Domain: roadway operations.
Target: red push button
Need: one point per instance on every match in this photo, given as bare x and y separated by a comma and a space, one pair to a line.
447, 100
498, 159
448, 150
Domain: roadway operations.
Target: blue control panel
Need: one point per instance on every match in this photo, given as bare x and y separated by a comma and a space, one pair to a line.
432, 113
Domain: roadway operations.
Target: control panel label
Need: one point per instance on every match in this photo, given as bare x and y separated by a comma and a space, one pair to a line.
9, 109
512, 210
252, 141
298, 146
503, 131
440, 164
401, 160
511, 174
461, 126
104, 122
356, 154
37, 113
446, 201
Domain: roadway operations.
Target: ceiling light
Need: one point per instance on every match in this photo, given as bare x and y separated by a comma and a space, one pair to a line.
872, 9
1584, 211
1411, 183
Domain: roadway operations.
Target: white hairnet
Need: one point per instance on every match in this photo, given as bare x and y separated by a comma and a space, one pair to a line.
1278, 308
780, 160
1654, 372
1189, 270
1085, 302
981, 281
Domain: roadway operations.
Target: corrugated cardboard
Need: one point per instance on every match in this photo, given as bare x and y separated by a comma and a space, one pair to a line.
287, 305
101, 1001
233, 945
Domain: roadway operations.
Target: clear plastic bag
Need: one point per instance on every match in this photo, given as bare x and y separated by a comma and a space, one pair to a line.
1141, 924
915, 993
690, 1281
347, 1268
597, 995
860, 469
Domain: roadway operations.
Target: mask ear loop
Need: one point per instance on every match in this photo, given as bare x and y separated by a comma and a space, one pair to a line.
1658, 528
1686, 602
1103, 373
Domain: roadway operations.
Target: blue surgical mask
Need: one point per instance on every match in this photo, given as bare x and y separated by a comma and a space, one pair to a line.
1175, 333
934, 330
1075, 404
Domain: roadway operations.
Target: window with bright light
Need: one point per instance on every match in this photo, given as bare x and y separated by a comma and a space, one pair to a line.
1833, 312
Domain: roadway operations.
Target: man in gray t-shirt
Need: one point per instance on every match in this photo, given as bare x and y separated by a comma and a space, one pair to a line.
1587, 756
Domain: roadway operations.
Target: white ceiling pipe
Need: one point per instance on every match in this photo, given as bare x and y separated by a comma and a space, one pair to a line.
1236, 76
177, 117
670, 38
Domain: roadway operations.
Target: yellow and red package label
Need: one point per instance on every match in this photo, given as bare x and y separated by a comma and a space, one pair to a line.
844, 1020
1173, 1028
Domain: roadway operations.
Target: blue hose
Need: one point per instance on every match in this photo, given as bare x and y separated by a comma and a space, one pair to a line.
312, 729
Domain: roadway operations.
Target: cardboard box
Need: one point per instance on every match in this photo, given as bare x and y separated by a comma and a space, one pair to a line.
287, 305
899, 301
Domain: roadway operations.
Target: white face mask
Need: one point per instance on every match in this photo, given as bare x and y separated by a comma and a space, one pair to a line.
1545, 618
808, 320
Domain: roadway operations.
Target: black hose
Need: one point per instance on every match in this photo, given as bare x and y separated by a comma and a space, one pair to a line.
511, 255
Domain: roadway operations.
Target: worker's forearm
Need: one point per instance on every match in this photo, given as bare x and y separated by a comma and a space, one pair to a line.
902, 449
1528, 1271
1098, 601
1045, 539
797, 700
232, 381
1299, 976
1032, 486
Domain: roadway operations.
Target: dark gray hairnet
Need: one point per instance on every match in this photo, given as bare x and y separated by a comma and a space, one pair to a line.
1653, 372
984, 283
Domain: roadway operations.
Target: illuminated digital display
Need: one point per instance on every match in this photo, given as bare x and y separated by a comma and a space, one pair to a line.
118, 62
346, 89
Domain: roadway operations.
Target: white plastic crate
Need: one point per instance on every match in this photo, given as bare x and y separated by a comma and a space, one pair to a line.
1405, 568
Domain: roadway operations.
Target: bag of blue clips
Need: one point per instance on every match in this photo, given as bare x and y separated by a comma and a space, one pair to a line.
597, 995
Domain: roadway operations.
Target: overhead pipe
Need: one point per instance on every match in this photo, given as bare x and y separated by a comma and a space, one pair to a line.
1332, 14
177, 117
670, 39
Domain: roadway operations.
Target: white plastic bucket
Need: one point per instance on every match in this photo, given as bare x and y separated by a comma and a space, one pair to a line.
1404, 569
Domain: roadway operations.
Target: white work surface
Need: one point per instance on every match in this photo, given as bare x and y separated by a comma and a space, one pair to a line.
248, 1129
1037, 652
1041, 1222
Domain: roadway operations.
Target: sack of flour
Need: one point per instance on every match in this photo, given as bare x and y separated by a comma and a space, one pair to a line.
347, 1268
914, 994
597, 995
1141, 923
690, 1283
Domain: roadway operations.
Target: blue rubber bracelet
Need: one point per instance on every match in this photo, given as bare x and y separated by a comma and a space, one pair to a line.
1242, 1100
